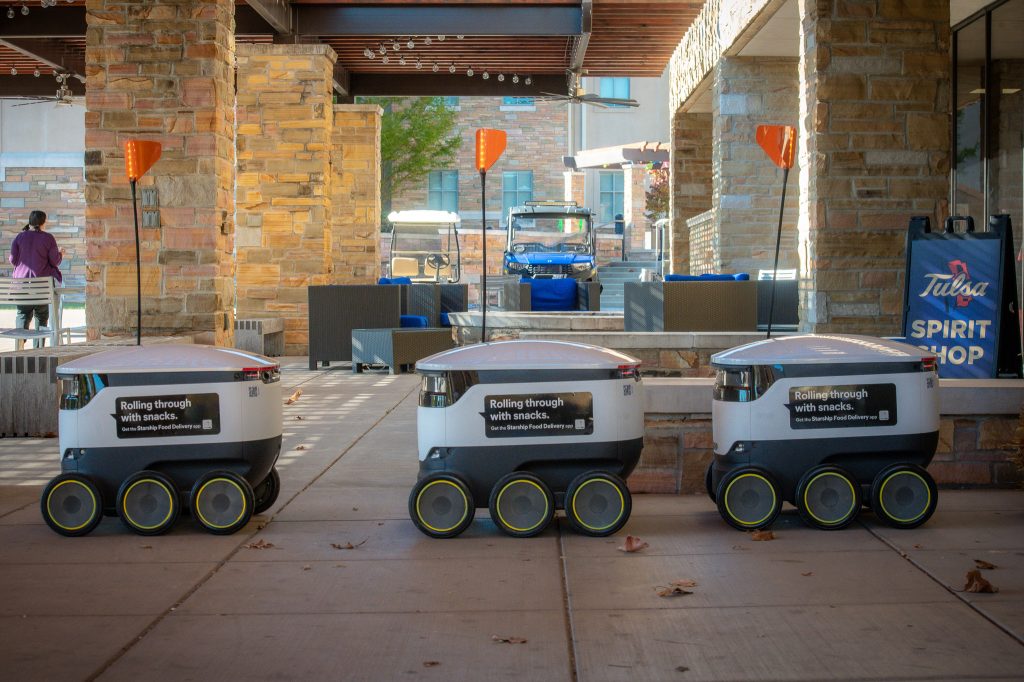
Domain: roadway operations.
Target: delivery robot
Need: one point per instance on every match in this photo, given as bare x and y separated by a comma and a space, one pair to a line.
145, 430
824, 422
527, 427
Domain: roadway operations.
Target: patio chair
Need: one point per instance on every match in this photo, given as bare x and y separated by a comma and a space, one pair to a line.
31, 291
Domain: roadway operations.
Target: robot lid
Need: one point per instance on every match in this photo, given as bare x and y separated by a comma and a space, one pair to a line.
506, 355
166, 358
820, 349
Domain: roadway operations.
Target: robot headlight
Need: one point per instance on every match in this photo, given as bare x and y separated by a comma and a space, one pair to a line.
742, 384
434, 391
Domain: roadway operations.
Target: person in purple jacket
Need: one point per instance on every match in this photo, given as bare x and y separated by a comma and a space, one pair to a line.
34, 253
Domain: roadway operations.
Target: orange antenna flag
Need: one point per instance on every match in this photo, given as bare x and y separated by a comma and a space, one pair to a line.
490, 144
779, 142
139, 157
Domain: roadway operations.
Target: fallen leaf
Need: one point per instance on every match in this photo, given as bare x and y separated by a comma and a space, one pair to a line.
762, 535
306, 567
681, 668
261, 526
348, 545
259, 544
807, 574
299, 418
918, 547
146, 546
300, 447
633, 544
676, 588
355, 508
431, 664
293, 397
984, 565
508, 640
741, 548
975, 583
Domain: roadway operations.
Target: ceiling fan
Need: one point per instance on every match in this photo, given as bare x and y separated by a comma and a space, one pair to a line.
577, 95
64, 96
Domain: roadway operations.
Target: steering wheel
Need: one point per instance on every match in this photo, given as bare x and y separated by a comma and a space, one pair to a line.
437, 261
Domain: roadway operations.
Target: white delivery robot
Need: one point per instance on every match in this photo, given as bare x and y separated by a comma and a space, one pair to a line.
145, 428
527, 427
824, 422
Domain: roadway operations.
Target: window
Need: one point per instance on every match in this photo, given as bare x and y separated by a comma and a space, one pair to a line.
615, 87
516, 190
451, 102
517, 102
443, 191
611, 195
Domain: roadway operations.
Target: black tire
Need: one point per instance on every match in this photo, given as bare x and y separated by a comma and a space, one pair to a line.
71, 505
148, 503
265, 494
904, 496
828, 498
222, 502
708, 480
521, 505
748, 498
441, 505
597, 503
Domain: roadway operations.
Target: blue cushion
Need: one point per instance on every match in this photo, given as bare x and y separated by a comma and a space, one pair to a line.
384, 280
394, 280
709, 277
552, 294
445, 322
413, 321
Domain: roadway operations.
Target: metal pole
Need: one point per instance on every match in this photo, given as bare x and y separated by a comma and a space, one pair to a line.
778, 243
483, 276
138, 271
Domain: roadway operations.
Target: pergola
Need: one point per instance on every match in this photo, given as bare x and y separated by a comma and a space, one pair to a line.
539, 39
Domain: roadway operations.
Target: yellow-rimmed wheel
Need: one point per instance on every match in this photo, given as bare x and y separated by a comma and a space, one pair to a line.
148, 503
266, 492
441, 505
222, 502
71, 505
748, 499
521, 505
904, 496
597, 503
828, 497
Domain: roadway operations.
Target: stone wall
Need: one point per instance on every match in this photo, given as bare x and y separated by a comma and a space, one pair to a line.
355, 193
691, 181
164, 72
536, 142
751, 91
695, 56
873, 151
283, 193
60, 192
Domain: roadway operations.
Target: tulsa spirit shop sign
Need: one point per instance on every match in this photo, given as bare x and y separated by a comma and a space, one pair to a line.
960, 300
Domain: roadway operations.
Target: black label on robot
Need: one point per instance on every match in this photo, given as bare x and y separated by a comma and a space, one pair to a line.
542, 414
158, 416
834, 407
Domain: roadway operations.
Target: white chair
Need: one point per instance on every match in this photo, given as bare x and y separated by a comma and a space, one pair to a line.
30, 291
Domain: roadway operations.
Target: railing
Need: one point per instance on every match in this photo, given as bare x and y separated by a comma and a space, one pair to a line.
705, 252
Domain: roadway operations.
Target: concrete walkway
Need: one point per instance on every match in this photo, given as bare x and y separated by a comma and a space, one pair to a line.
866, 603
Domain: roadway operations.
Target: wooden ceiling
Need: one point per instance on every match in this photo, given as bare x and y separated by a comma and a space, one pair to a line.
537, 38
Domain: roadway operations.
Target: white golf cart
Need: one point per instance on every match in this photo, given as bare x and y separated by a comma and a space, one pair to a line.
425, 246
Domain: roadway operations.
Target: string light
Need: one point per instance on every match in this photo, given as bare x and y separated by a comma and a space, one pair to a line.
426, 40
434, 67
14, 71
36, 73
460, 37
401, 60
515, 78
367, 53
528, 80
486, 75
24, 10
419, 64
501, 78
10, 13
410, 44
385, 59
396, 46
470, 72
451, 68
440, 39
382, 49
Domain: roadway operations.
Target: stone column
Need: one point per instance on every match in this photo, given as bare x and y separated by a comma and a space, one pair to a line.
691, 176
873, 150
575, 184
283, 196
751, 91
634, 203
161, 71
355, 193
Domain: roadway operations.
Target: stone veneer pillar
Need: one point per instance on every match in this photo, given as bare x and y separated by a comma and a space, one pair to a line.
873, 151
575, 186
161, 71
691, 181
634, 203
355, 193
285, 119
750, 91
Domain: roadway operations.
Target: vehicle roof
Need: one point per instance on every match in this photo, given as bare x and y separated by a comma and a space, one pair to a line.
526, 355
424, 216
820, 349
553, 209
168, 357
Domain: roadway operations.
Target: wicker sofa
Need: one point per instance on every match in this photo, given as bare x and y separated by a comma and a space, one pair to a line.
692, 306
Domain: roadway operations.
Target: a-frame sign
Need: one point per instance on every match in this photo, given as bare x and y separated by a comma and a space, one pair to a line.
960, 297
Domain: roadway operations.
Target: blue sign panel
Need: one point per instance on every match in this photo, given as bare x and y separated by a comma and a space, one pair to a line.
953, 298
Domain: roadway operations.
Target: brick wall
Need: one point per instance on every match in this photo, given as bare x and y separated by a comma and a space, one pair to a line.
60, 192
691, 181
750, 91
161, 71
874, 150
355, 193
536, 142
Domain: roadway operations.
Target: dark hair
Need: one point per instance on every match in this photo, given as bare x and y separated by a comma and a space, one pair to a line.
36, 219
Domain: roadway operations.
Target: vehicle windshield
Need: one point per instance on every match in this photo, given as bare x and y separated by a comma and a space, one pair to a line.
423, 238
549, 232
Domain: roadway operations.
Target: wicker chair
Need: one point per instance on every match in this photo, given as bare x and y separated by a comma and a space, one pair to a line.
708, 306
